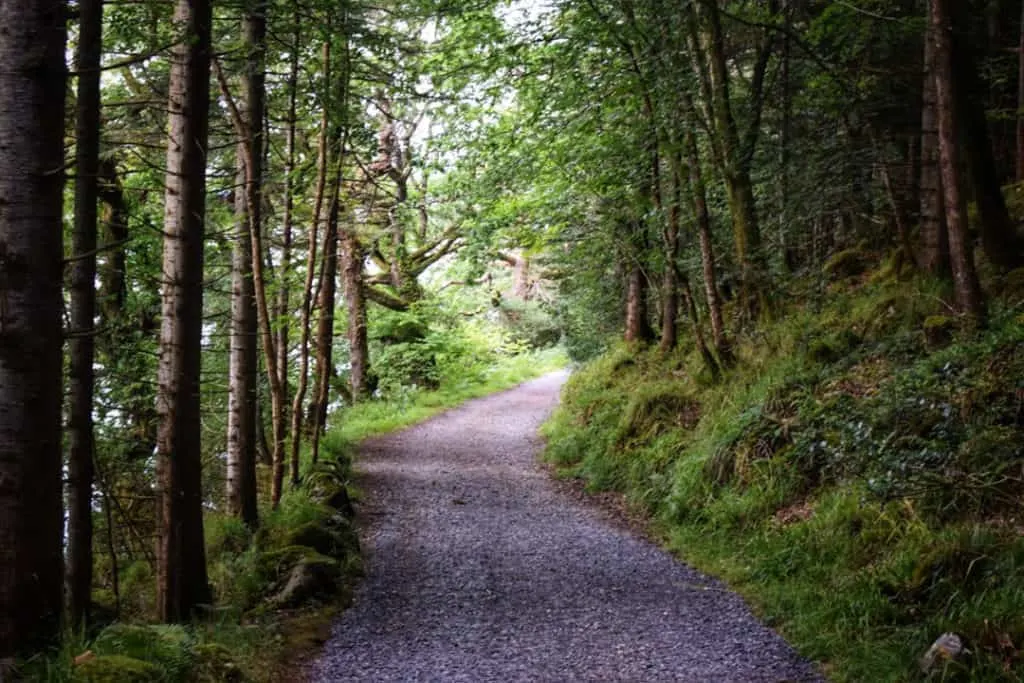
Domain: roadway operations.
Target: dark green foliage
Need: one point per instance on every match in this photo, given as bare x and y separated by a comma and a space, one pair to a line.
117, 669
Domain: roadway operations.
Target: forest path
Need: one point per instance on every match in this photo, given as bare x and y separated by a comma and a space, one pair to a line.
479, 569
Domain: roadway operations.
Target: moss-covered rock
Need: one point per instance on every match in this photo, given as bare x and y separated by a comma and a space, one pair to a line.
214, 663
315, 577
938, 330
166, 646
845, 264
333, 537
116, 669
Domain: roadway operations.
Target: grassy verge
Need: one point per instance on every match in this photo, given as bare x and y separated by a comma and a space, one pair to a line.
857, 476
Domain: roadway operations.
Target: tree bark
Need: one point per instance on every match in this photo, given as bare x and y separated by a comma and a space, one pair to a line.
181, 555
325, 324
965, 281
355, 302
242, 363
638, 328
1020, 99
32, 40
736, 156
698, 192
113, 267
299, 398
934, 237
81, 347
998, 231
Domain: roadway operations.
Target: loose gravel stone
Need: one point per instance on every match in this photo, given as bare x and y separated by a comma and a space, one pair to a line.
479, 569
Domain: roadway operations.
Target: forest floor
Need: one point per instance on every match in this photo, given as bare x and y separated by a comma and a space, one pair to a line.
480, 568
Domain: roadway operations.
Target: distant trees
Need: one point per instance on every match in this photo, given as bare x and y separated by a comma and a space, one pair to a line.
802, 127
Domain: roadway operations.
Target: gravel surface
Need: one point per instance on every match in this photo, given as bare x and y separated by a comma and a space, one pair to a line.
479, 569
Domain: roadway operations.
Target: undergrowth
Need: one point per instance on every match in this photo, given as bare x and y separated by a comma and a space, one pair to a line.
248, 634
857, 475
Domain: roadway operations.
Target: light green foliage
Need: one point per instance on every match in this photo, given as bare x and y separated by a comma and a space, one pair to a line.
167, 647
857, 483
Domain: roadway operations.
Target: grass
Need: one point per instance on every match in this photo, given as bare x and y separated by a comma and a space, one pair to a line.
379, 417
855, 476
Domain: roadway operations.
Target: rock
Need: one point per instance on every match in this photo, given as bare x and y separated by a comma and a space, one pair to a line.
339, 500
333, 536
215, 664
938, 330
947, 648
313, 577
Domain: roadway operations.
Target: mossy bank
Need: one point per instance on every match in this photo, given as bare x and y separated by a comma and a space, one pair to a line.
857, 474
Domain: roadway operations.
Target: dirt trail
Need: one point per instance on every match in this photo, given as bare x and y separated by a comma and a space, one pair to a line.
479, 569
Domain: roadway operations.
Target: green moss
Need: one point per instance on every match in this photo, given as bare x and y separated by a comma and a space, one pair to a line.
167, 646
846, 264
116, 669
938, 330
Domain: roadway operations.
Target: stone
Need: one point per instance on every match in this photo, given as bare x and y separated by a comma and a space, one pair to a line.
947, 648
313, 577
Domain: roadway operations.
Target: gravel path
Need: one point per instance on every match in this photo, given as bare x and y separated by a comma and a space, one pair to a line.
478, 569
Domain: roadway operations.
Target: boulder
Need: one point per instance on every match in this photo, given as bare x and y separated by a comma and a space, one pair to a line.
339, 500
948, 649
313, 577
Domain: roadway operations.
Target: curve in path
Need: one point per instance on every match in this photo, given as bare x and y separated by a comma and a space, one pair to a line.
478, 569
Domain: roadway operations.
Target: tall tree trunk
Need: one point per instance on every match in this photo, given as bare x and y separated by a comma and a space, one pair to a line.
242, 363
965, 281
81, 349
325, 323
113, 271
934, 238
32, 81
736, 159
355, 302
1020, 99
638, 327
299, 398
284, 286
698, 192
670, 279
181, 555
250, 312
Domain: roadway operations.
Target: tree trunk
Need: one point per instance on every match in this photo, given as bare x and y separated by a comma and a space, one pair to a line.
934, 238
242, 364
283, 313
965, 281
113, 287
325, 324
81, 349
670, 281
998, 231
355, 302
181, 555
32, 41
736, 158
1020, 99
299, 398
698, 192
638, 328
